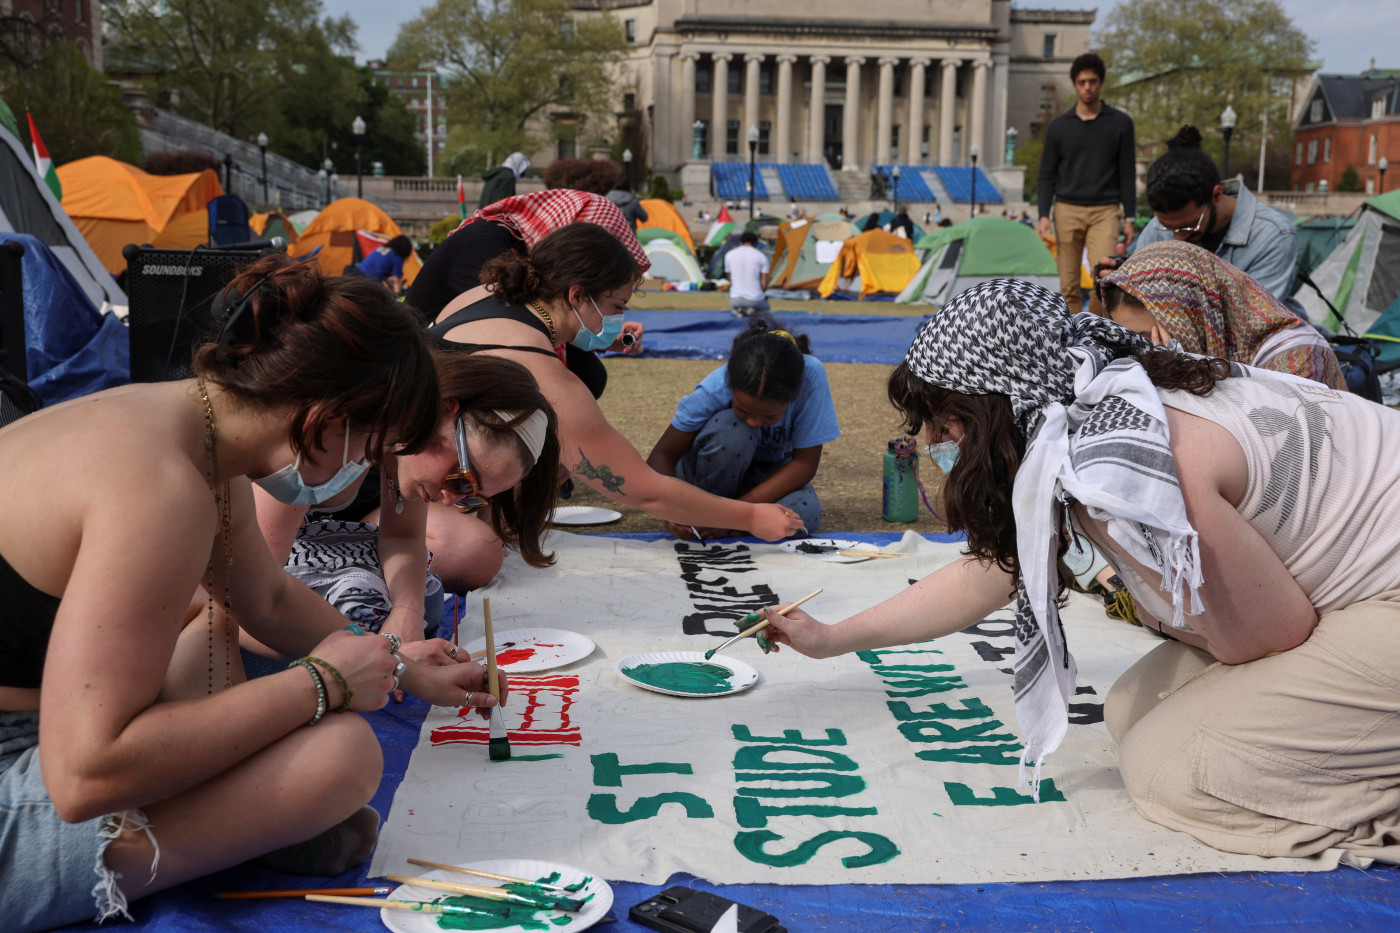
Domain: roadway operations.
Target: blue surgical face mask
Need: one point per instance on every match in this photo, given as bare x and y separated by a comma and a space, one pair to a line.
945, 455
287, 485
585, 339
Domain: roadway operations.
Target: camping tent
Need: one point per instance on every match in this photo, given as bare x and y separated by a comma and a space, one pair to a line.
273, 224
1317, 238
882, 220
663, 214
1361, 278
334, 231
976, 250
806, 248
1385, 336
28, 206
114, 203
671, 258
870, 263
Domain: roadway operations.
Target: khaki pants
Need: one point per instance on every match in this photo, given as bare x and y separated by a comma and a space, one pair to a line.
1078, 227
1284, 756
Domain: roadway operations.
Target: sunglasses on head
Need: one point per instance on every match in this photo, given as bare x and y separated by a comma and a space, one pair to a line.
463, 481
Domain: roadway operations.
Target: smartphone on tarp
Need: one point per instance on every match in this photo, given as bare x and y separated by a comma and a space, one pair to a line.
686, 910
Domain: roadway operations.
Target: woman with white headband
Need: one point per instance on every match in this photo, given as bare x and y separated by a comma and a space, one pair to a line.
485, 482
1254, 518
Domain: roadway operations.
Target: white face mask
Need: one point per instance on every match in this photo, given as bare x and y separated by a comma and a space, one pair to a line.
944, 455
288, 486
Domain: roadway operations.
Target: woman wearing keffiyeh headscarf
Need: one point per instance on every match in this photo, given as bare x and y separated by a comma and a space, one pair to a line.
1232, 502
1208, 306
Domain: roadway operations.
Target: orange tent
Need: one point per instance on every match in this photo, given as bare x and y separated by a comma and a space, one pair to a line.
184, 232
663, 214
271, 224
881, 261
334, 231
113, 203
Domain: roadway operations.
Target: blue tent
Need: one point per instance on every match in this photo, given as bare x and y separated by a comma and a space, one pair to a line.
72, 348
1385, 337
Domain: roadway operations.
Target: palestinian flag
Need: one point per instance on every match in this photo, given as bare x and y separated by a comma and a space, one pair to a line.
461, 198
721, 228
42, 163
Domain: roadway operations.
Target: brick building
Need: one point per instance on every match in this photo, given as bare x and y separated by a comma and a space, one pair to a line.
1348, 120
424, 93
76, 21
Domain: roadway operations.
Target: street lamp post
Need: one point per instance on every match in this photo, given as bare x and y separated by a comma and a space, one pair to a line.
357, 126
753, 151
894, 187
1383, 164
697, 149
972, 153
327, 173
1227, 127
627, 163
262, 150
1011, 135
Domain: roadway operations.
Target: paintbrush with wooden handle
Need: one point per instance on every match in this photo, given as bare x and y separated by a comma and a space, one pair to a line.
760, 626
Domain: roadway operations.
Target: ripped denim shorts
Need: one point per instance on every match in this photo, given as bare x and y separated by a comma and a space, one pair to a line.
52, 873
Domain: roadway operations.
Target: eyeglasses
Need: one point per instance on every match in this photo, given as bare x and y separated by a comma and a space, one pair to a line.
463, 481
1195, 228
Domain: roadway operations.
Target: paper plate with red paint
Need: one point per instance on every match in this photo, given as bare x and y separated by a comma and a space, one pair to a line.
596, 894
525, 650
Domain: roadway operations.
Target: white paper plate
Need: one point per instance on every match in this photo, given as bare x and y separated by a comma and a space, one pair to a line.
522, 650
597, 890
583, 515
835, 557
741, 675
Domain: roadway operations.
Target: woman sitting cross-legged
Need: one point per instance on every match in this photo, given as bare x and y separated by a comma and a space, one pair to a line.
1254, 519
160, 763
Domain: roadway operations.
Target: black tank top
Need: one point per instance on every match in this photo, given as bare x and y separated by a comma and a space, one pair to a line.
490, 309
24, 633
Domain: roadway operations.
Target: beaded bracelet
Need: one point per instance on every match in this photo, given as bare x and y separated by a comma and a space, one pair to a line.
320, 688
339, 678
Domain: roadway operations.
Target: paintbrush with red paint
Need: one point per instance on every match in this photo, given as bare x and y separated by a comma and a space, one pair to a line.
301, 892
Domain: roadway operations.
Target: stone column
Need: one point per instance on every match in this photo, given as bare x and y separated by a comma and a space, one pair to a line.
719, 105
851, 158
884, 111
916, 109
751, 62
1000, 68
687, 117
782, 116
948, 84
818, 115
977, 110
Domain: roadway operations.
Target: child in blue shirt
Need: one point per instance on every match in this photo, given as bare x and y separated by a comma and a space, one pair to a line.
753, 429
385, 264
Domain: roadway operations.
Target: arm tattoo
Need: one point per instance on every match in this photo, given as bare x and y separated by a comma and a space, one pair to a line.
603, 474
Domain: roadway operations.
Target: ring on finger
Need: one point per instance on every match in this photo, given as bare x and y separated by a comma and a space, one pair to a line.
395, 642
398, 669
453, 652
396, 684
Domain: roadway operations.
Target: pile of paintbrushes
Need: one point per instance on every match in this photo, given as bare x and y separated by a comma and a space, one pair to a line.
517, 893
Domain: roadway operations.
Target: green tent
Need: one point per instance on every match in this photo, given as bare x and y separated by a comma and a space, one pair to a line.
976, 250
670, 255
1361, 278
806, 248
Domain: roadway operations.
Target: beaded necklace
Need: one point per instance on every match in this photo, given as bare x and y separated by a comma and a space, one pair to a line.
538, 308
221, 502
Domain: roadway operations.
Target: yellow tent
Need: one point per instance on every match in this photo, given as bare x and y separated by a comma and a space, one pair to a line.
113, 204
334, 231
663, 214
882, 261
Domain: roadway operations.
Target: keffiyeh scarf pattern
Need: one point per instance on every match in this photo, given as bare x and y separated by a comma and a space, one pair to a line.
1096, 432
536, 215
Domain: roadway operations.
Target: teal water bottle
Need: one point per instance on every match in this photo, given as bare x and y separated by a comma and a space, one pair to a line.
901, 498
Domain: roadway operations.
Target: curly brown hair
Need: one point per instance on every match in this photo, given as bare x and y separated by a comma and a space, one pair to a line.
977, 496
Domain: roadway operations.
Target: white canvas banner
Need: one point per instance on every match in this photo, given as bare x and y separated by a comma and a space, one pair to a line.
889, 766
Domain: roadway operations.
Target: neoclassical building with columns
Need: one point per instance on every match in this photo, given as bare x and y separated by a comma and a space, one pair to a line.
915, 82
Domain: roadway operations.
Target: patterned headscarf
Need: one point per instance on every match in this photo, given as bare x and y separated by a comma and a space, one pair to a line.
536, 215
1096, 433
1208, 305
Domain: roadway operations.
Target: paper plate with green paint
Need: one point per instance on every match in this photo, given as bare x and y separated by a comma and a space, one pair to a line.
687, 673
594, 891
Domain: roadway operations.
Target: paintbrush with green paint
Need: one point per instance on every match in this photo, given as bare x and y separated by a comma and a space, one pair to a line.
422, 907
752, 616
523, 899
499, 745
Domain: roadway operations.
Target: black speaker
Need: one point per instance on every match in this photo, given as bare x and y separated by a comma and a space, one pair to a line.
169, 292
13, 356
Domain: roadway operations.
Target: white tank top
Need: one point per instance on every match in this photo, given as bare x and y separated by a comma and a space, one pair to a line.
1324, 479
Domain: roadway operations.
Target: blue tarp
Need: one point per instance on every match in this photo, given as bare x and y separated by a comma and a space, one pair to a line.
1344, 899
835, 338
73, 349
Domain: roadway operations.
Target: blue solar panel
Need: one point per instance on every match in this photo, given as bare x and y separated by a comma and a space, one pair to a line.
732, 180
957, 179
912, 187
804, 181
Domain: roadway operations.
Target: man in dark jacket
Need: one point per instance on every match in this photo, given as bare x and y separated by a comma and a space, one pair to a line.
1088, 175
500, 181
627, 202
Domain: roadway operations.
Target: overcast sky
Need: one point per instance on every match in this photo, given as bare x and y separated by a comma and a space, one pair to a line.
1347, 33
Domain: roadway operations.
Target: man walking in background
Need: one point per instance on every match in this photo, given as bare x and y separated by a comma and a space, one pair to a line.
1087, 176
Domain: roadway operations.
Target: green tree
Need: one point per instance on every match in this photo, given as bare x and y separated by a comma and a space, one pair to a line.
1350, 180
78, 112
1028, 154
1182, 62
516, 64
